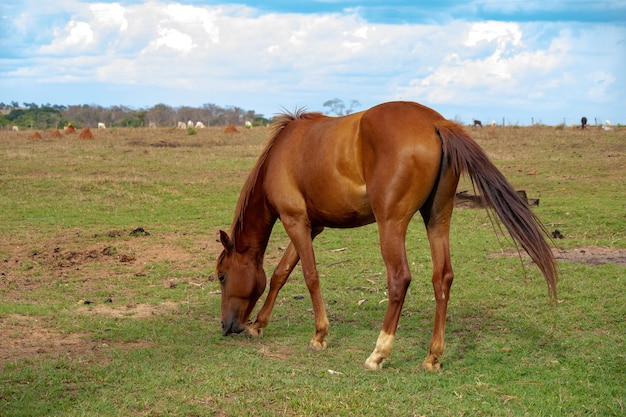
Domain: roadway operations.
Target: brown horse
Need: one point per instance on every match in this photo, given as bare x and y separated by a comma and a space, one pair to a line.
381, 165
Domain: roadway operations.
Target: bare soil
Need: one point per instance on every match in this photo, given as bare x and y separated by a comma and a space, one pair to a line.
93, 262
26, 337
593, 255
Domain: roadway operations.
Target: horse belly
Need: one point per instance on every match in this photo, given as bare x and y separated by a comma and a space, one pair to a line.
339, 205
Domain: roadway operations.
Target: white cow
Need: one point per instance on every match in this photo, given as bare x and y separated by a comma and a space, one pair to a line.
101, 126
248, 124
607, 125
493, 123
182, 125
199, 125
15, 129
189, 123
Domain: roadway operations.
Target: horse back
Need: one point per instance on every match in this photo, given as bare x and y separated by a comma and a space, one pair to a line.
333, 166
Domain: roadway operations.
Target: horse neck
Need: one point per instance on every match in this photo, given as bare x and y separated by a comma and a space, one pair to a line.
253, 224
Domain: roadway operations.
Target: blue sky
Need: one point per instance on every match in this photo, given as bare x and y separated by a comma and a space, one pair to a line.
547, 61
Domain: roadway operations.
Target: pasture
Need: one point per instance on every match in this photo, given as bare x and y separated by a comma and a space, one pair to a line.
109, 306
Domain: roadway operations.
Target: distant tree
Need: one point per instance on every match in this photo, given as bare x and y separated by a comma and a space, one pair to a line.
185, 113
162, 115
249, 116
214, 114
49, 115
140, 115
260, 120
235, 115
85, 115
338, 107
37, 118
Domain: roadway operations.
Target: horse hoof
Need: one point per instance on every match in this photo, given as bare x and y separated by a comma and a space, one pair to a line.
372, 365
252, 332
315, 345
431, 366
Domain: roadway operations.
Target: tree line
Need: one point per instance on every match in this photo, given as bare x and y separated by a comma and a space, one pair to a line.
48, 116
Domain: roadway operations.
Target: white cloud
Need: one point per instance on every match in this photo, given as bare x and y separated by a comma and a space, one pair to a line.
495, 65
191, 15
110, 15
174, 39
502, 33
75, 35
236, 51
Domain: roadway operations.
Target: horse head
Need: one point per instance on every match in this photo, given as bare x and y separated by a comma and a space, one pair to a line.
243, 280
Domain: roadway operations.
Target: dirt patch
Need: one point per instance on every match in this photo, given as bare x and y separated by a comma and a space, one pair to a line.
93, 263
138, 311
593, 255
26, 337
95, 258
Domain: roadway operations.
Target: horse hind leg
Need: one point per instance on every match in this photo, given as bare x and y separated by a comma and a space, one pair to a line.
437, 215
442, 281
392, 235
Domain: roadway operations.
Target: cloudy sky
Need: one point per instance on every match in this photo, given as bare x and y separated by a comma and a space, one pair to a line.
487, 59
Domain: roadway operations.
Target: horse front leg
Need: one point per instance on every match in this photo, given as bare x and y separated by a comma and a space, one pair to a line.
302, 236
280, 275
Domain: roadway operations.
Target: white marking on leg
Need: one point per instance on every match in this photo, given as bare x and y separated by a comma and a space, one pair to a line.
381, 352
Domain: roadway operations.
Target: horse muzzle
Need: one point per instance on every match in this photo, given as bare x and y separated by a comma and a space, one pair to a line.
232, 326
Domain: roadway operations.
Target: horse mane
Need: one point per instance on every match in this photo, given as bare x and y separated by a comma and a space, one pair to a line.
281, 121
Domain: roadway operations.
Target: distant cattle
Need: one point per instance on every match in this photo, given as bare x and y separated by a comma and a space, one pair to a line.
199, 125
182, 125
189, 123
248, 124
15, 129
477, 123
607, 125
101, 126
583, 122
493, 123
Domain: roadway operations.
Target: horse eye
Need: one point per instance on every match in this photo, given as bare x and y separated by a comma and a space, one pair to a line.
221, 277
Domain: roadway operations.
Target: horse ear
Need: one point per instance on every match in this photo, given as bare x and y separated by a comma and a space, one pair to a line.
226, 241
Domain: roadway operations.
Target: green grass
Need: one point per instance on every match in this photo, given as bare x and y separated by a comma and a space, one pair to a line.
67, 208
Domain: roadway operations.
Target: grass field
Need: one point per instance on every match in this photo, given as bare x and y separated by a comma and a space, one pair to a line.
108, 306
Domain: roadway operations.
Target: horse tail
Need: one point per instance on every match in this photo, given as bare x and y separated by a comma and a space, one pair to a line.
463, 155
